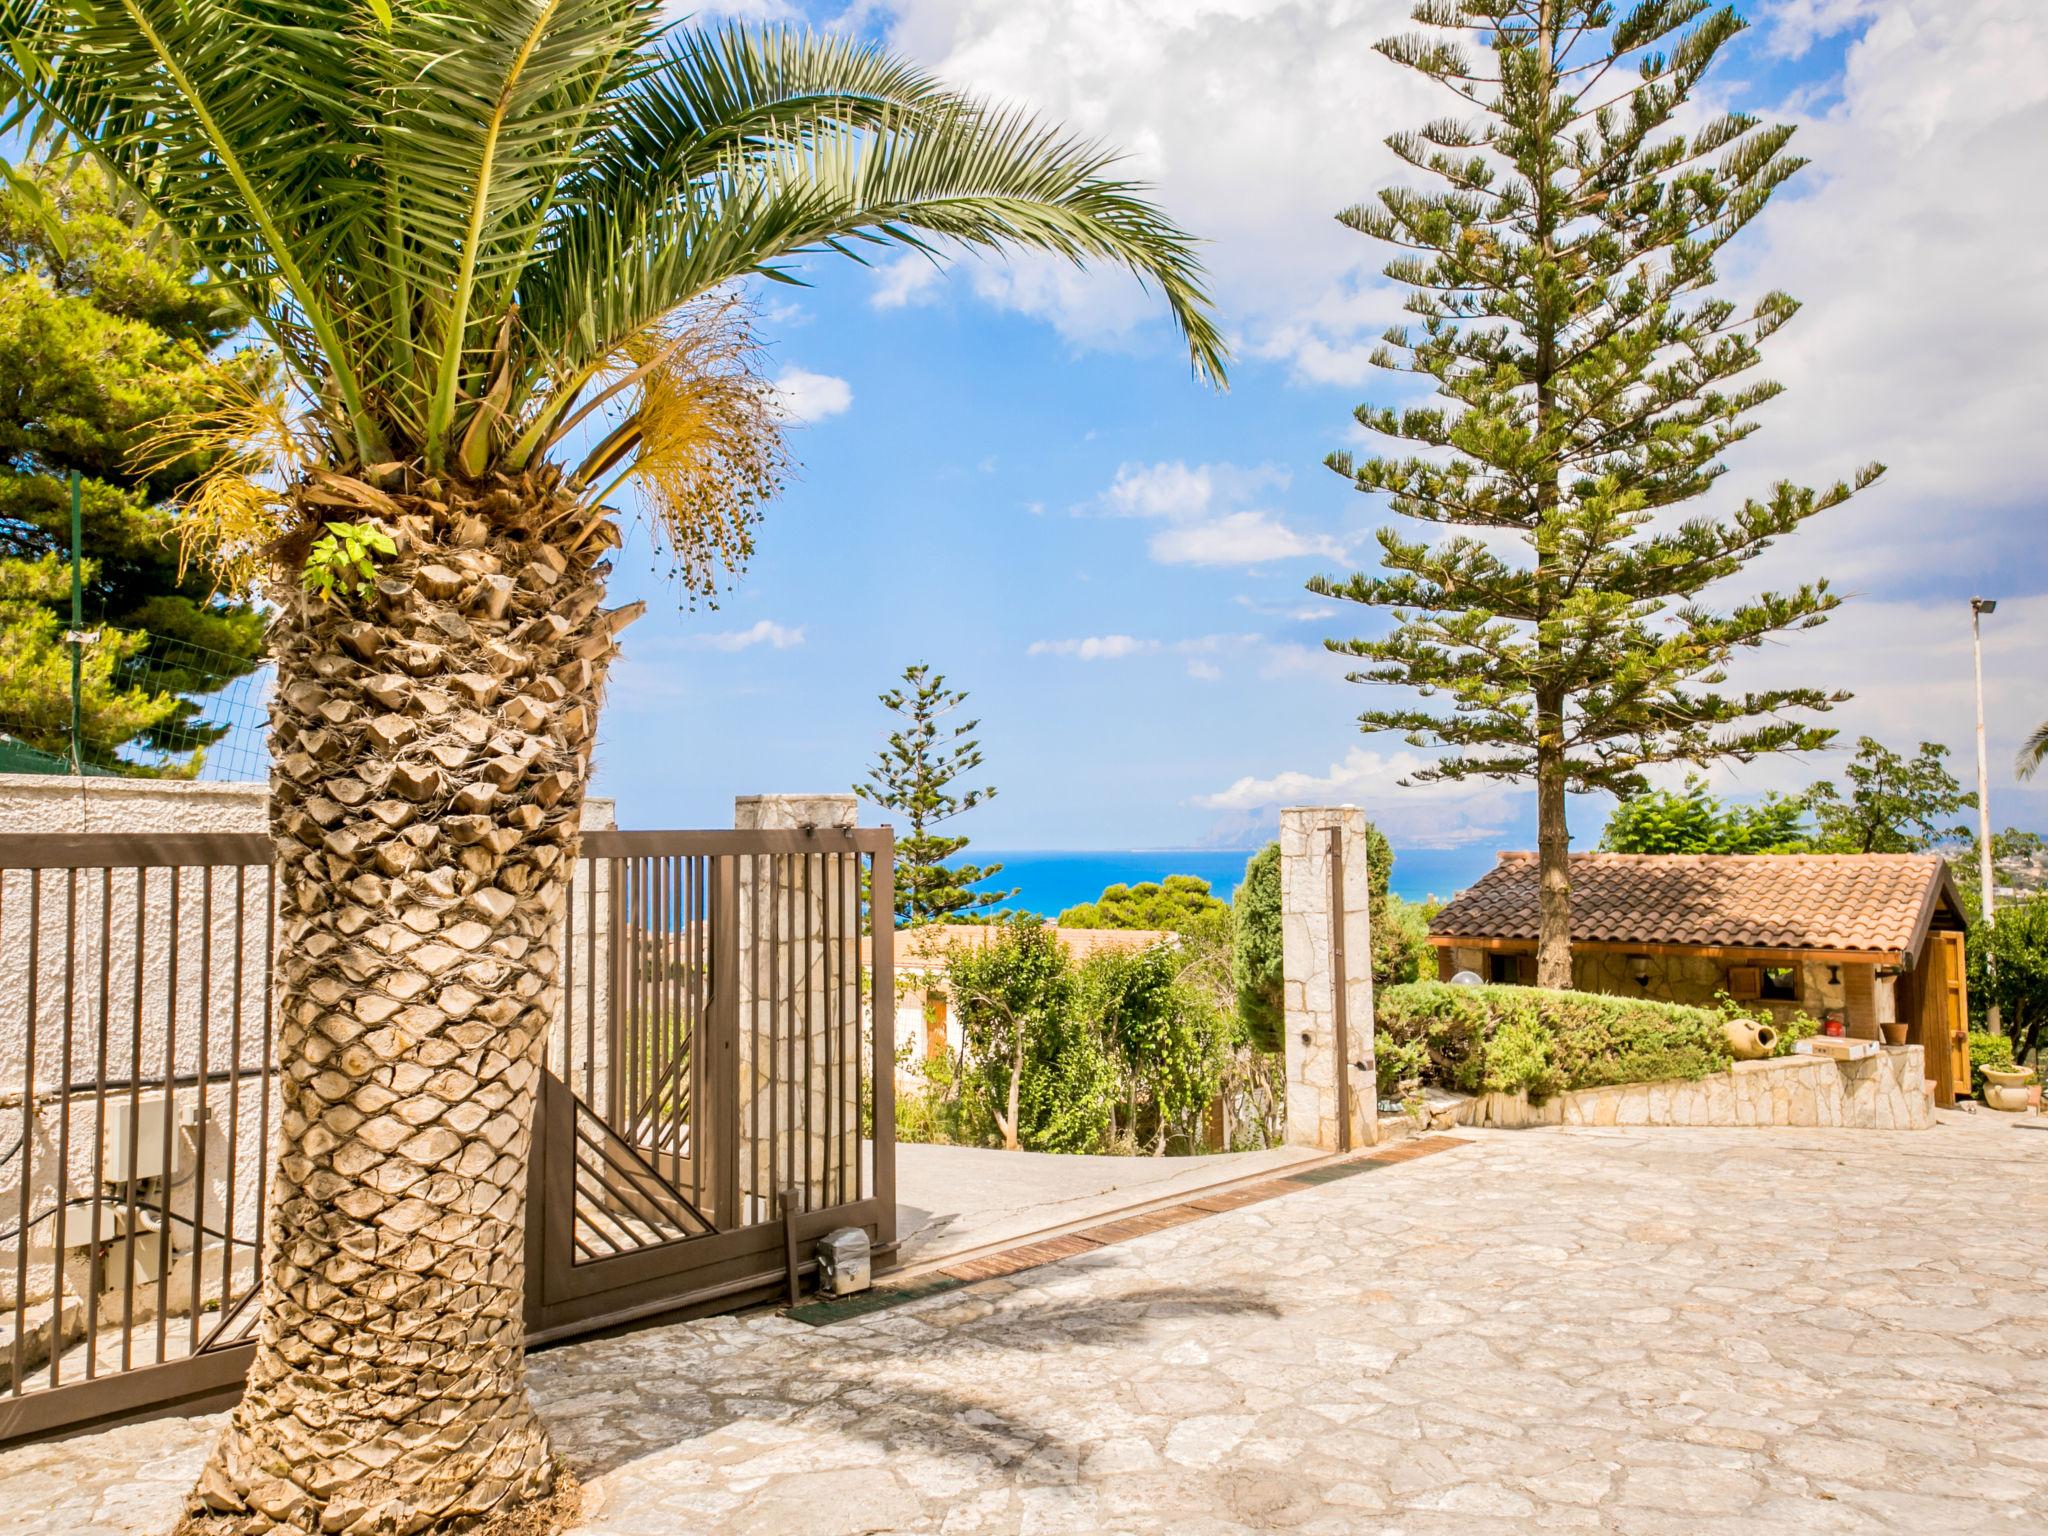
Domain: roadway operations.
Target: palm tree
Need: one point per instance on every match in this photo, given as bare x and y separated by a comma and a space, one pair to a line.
493, 246
2033, 751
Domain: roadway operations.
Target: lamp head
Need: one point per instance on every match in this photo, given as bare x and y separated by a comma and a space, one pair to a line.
1982, 605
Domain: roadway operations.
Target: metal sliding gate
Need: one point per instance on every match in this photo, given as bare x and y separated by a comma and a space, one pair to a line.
719, 1078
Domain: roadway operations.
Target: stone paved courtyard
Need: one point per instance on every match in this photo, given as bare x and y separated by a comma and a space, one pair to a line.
1715, 1333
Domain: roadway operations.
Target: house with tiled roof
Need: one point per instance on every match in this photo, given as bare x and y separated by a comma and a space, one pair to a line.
1875, 940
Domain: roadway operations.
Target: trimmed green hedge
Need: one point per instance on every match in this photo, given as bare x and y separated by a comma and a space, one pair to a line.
1504, 1039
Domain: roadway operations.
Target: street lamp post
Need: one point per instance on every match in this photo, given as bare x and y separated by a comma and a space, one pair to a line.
1979, 606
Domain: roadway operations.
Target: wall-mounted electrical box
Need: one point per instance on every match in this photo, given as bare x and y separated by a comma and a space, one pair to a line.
137, 1134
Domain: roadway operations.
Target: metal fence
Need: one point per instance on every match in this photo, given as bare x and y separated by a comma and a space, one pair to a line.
720, 1080
212, 720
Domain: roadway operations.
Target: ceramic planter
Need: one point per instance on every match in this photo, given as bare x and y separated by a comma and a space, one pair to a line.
2005, 1088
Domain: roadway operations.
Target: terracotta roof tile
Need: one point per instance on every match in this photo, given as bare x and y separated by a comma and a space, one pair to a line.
1851, 902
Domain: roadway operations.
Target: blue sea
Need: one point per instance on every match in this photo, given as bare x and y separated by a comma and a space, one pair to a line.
1050, 880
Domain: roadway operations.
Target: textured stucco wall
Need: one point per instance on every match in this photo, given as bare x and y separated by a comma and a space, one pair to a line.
1308, 925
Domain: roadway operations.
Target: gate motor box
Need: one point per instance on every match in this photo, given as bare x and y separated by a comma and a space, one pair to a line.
843, 1262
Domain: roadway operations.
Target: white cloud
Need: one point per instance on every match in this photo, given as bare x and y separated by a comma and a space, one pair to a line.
1920, 265
1908, 664
908, 279
1176, 489
1205, 508
1094, 647
1304, 611
1246, 117
1238, 538
1923, 327
1443, 815
1120, 647
781, 637
1793, 26
809, 397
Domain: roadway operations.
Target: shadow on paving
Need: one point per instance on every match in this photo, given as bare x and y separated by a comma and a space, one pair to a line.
877, 1401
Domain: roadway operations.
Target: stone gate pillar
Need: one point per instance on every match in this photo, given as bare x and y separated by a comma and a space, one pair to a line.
1326, 958
799, 1097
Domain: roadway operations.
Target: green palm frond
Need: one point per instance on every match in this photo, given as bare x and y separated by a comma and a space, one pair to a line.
457, 223
2033, 752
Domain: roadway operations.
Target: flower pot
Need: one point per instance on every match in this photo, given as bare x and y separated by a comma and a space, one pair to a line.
1894, 1034
2009, 1077
2013, 1100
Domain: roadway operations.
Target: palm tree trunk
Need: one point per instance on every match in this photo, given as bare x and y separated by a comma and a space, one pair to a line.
430, 742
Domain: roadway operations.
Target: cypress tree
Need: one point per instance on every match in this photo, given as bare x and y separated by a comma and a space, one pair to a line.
1559, 270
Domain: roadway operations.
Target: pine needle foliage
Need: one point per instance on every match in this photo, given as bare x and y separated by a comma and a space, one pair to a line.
914, 775
1560, 266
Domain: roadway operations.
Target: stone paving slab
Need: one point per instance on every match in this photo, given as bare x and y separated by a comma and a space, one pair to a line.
1694, 1332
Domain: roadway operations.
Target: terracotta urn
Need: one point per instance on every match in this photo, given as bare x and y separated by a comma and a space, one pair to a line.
1749, 1040
1894, 1033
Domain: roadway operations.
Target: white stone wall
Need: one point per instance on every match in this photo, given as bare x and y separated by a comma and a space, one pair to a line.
1884, 1092
1308, 928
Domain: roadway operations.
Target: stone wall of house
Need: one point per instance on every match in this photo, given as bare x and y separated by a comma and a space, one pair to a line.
1884, 1092
1310, 922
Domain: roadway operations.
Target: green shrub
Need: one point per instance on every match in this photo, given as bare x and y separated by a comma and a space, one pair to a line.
931, 1108
1499, 1038
1987, 1050
1396, 1061
1519, 1060
1255, 958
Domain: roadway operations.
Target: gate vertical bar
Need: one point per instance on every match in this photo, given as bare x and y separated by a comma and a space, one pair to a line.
63, 1180
722, 1144
28, 1122
99, 1099
882, 920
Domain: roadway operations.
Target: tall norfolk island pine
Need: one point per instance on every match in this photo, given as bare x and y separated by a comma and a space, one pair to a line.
1559, 277
914, 774
486, 242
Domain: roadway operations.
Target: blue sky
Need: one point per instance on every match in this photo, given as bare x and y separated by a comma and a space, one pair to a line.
1008, 472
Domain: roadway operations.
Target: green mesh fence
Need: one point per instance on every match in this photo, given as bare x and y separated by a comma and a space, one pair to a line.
210, 717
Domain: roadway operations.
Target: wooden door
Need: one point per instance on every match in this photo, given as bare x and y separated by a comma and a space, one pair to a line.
1941, 1016
1953, 1007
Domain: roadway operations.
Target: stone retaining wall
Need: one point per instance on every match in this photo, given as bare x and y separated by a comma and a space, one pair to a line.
1885, 1092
